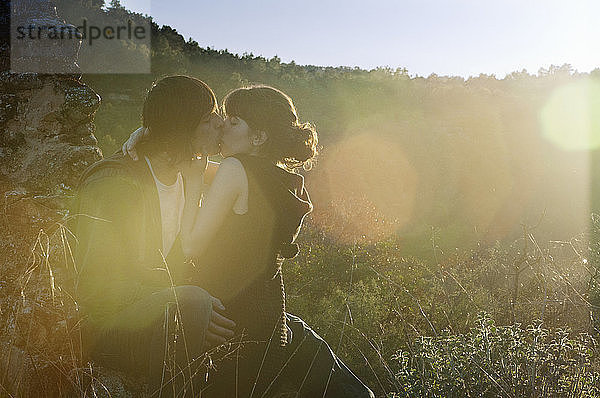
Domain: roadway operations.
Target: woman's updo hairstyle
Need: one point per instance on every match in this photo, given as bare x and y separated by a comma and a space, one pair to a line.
264, 108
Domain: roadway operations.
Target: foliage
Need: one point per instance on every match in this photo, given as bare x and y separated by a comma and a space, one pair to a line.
594, 287
492, 361
384, 312
406, 326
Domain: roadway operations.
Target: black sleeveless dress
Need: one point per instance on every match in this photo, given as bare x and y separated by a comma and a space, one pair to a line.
242, 266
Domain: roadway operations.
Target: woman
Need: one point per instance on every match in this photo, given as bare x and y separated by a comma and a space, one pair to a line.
238, 237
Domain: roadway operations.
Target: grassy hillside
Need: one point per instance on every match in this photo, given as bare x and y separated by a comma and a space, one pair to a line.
450, 252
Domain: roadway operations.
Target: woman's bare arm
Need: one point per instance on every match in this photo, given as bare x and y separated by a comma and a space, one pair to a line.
200, 224
211, 172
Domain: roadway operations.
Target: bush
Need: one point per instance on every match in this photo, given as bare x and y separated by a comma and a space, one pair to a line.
506, 361
381, 312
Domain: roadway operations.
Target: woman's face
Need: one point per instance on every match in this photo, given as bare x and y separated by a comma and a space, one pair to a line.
236, 137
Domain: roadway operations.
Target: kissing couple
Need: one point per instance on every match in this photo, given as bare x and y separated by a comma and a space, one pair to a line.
179, 259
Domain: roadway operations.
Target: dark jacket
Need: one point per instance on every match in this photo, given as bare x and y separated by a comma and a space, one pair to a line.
118, 233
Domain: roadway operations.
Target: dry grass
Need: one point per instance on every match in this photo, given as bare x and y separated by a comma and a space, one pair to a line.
383, 312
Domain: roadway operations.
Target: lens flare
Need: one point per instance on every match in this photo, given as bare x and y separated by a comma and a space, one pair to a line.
370, 186
570, 118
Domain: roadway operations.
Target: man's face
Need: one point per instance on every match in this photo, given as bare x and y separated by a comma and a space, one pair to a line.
208, 135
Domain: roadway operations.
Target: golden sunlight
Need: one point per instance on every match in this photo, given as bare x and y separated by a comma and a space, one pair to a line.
372, 186
570, 118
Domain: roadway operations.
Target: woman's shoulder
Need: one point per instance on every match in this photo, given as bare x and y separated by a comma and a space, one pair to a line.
231, 172
243, 163
228, 166
231, 164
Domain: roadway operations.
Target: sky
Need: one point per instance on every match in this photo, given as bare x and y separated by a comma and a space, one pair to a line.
446, 37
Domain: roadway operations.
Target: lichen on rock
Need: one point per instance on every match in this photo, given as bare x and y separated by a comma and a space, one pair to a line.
48, 131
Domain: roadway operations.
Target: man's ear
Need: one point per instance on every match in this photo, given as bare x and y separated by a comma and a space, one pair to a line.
259, 138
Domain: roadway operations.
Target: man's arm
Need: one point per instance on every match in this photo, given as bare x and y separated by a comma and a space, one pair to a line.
107, 245
110, 272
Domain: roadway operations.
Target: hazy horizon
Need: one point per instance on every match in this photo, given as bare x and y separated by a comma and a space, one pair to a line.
449, 38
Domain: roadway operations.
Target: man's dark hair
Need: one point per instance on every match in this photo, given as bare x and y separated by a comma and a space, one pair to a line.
173, 108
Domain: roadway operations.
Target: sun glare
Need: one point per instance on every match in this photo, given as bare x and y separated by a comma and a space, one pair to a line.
371, 185
571, 117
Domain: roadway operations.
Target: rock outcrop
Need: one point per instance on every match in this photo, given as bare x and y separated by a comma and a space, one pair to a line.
47, 131
46, 141
46, 119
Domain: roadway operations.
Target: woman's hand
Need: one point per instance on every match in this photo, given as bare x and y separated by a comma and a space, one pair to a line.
128, 147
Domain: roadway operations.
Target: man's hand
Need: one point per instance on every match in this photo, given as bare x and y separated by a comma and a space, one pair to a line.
128, 147
220, 328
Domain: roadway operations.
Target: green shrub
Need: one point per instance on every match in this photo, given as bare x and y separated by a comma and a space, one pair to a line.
492, 361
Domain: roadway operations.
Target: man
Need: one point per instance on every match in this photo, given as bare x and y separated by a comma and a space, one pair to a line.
138, 313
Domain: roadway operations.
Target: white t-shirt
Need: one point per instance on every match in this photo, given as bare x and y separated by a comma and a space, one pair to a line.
172, 201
